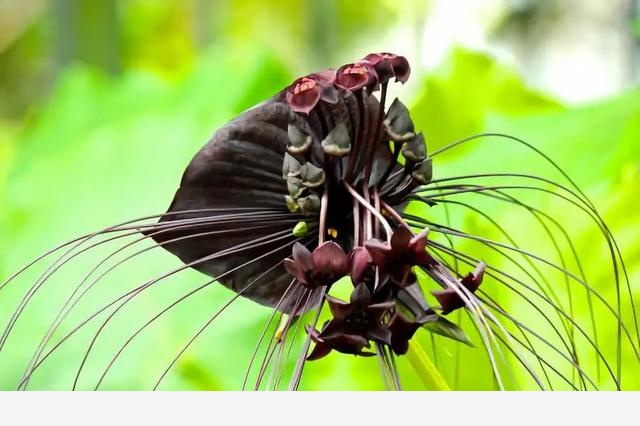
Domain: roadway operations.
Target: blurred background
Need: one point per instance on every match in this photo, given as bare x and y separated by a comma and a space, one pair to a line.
104, 102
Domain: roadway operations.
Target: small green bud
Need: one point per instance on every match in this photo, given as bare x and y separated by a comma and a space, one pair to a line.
301, 229
292, 204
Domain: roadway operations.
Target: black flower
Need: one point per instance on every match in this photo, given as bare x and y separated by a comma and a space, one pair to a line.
389, 65
327, 264
305, 92
404, 248
355, 76
450, 298
402, 330
353, 324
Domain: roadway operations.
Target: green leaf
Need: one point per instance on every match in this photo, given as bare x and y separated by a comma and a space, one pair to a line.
444, 327
457, 98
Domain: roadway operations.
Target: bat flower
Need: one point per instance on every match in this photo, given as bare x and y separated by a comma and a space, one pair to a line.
353, 344
398, 256
356, 322
389, 65
403, 248
304, 93
323, 267
402, 331
358, 75
328, 179
452, 298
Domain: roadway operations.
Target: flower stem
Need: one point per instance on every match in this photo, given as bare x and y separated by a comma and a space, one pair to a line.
424, 368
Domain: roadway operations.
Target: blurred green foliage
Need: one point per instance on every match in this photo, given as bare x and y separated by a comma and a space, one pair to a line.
98, 122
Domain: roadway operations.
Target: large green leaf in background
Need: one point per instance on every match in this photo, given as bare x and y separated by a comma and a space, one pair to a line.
597, 145
104, 151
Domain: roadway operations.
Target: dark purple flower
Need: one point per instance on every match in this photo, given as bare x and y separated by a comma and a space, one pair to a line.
341, 342
389, 65
449, 298
404, 247
361, 263
402, 330
360, 317
355, 76
327, 264
304, 93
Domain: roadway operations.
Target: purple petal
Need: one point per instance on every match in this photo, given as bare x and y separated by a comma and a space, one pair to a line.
360, 261
379, 251
355, 76
294, 269
320, 350
329, 258
473, 280
339, 309
324, 78
302, 256
401, 238
313, 333
329, 94
361, 295
303, 95
401, 68
240, 168
381, 334
449, 300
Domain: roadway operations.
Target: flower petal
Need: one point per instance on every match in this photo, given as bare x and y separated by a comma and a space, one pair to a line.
339, 309
381, 334
303, 94
320, 350
302, 256
449, 300
361, 295
355, 76
360, 261
400, 239
329, 258
239, 170
473, 280
379, 251
294, 269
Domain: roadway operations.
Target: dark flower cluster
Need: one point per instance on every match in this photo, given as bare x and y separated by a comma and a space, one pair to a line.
346, 174
379, 272
370, 73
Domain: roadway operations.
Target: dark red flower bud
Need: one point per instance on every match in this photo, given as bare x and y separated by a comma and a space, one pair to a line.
389, 65
450, 299
361, 261
327, 264
341, 342
404, 249
305, 92
355, 76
